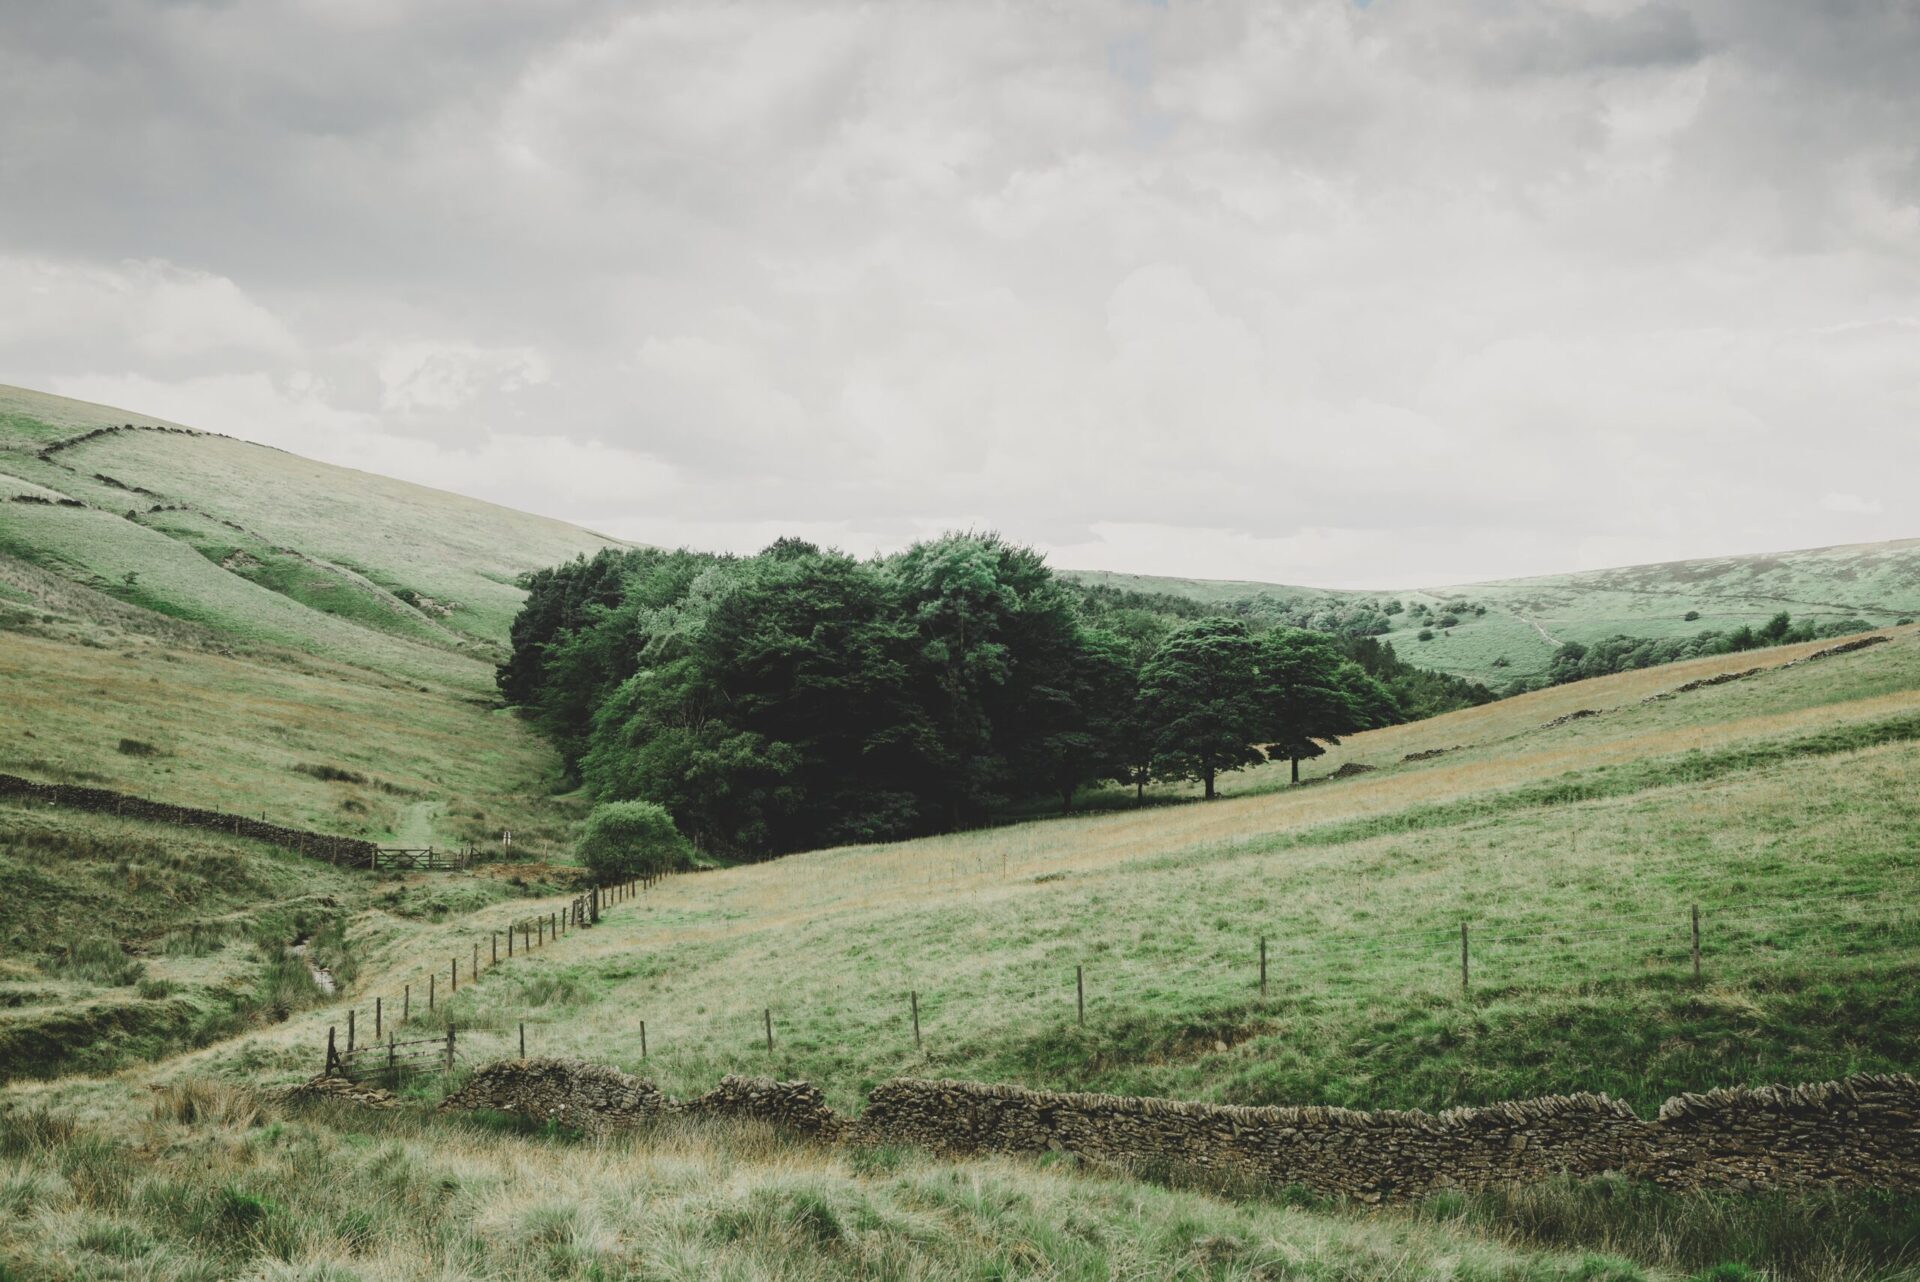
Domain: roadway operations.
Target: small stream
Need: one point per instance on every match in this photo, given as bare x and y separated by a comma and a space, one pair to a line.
322, 977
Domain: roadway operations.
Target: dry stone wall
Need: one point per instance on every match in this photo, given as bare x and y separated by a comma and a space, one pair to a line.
596, 1099
350, 851
1861, 1132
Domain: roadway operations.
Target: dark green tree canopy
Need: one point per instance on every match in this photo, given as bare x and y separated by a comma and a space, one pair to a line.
802, 697
1201, 693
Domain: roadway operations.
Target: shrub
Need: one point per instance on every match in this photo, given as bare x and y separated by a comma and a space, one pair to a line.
1690, 616
97, 960
625, 839
137, 748
1426, 634
200, 1100
330, 774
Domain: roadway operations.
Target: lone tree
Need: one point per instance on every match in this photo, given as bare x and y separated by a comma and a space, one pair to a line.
626, 839
1201, 697
1312, 694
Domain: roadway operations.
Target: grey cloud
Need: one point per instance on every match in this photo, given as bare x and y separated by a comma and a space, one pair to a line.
1414, 273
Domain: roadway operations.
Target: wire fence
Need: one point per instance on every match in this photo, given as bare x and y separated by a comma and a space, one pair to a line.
367, 1040
1071, 983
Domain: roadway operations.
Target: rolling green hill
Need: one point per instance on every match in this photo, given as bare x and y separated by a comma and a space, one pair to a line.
218, 624
1572, 830
261, 544
1525, 620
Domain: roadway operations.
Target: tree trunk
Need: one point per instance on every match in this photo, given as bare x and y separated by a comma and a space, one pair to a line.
1296, 770
1140, 789
1066, 800
1209, 796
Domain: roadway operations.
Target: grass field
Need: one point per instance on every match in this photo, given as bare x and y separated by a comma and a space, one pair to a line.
1783, 804
314, 645
211, 1186
337, 562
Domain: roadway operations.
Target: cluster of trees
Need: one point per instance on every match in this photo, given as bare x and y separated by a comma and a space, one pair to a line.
1342, 616
802, 697
1575, 661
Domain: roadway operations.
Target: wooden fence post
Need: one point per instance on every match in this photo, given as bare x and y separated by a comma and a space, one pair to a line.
333, 1056
914, 997
509, 941
376, 1019
1463, 957
643, 1039
769, 1019
1080, 992
393, 1067
476, 960
349, 1032
430, 979
406, 1003
523, 1039
453, 976
1263, 965
496, 948
553, 924
1696, 941
449, 1047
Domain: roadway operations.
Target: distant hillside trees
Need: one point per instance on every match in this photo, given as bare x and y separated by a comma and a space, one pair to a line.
1575, 661
801, 697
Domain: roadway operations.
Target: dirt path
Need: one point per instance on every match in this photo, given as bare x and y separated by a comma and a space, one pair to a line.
416, 827
1544, 634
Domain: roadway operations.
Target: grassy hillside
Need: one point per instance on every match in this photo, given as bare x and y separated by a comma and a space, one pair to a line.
220, 624
1782, 804
1526, 619
262, 544
266, 634
153, 642
216, 1187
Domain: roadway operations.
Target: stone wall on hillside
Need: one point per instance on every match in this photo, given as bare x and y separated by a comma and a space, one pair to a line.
1861, 1132
1331, 1150
596, 1099
350, 851
589, 1097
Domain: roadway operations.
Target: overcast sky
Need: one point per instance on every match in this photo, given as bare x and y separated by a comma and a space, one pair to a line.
1414, 292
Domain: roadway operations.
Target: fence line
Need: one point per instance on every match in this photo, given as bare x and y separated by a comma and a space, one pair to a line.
1696, 944
537, 931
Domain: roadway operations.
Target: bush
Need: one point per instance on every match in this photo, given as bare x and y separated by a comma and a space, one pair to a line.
1426, 634
626, 839
1690, 616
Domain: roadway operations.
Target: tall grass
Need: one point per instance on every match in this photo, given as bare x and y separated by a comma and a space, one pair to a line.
215, 1184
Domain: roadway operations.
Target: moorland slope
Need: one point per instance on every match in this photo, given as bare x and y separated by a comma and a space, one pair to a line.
1523, 621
